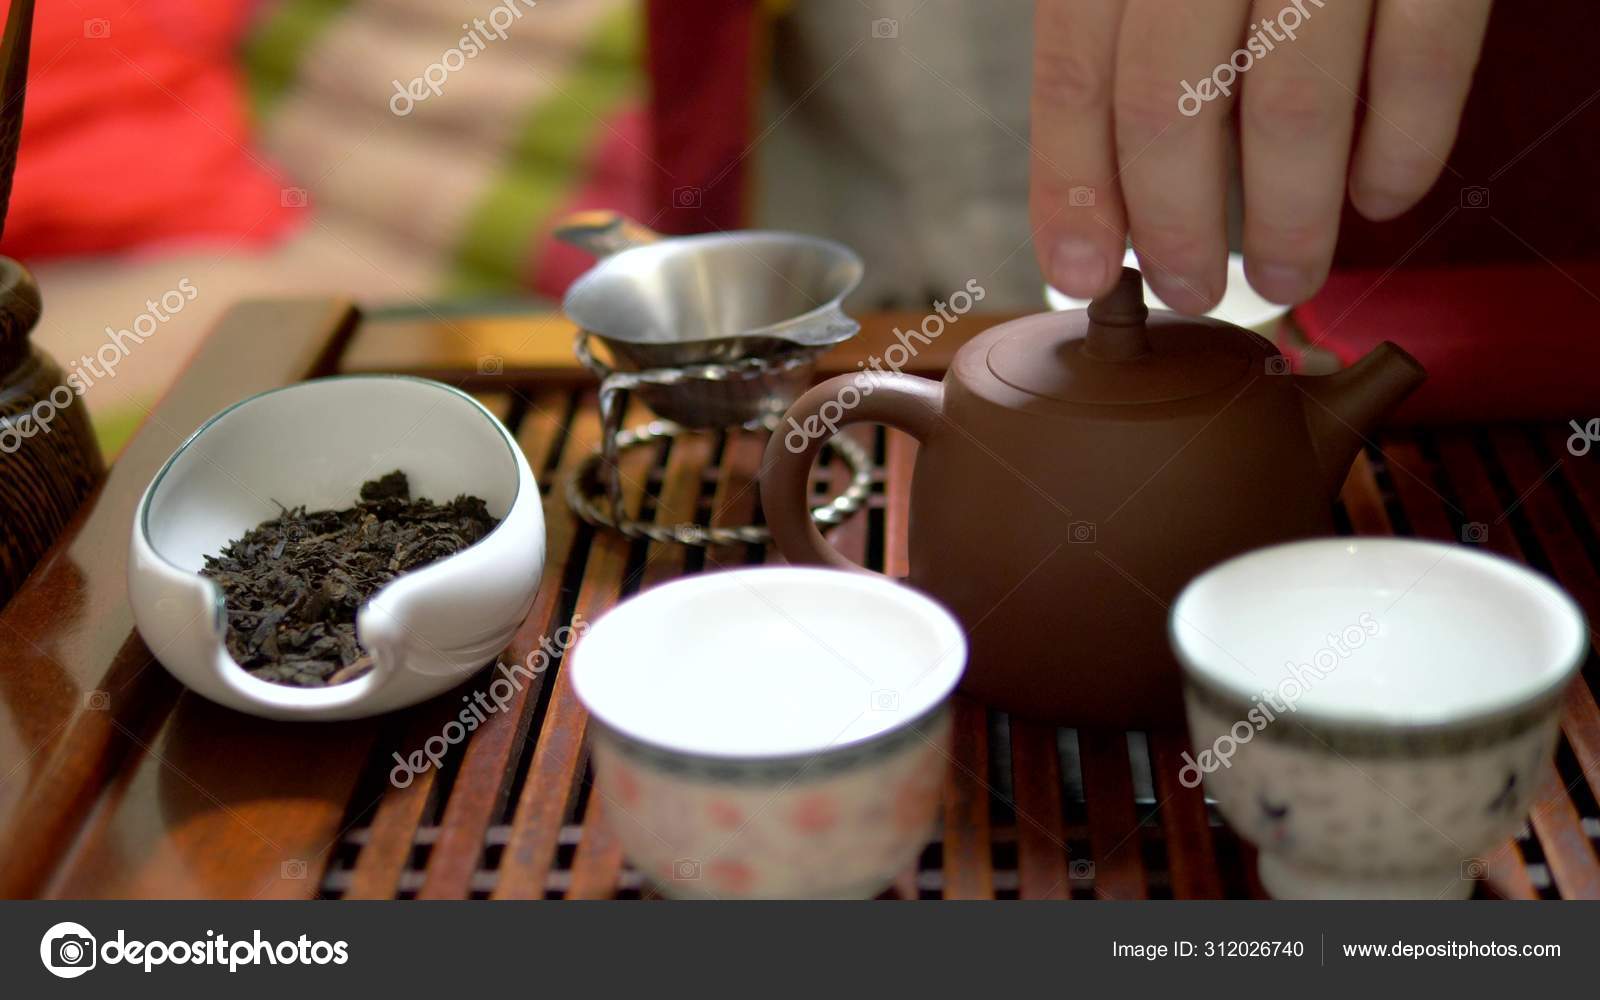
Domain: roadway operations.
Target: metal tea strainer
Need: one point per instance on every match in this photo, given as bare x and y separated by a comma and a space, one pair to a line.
711, 332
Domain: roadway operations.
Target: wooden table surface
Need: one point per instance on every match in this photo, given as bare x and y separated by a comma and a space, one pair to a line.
117, 782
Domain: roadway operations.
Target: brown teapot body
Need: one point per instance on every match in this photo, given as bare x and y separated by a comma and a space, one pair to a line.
1075, 471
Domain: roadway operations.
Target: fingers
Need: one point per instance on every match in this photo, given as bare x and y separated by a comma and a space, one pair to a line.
1295, 124
1421, 64
1172, 152
1076, 210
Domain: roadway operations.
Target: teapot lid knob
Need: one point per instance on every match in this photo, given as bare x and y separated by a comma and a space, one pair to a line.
1116, 321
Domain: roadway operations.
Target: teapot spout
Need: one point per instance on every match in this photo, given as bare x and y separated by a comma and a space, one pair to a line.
1342, 408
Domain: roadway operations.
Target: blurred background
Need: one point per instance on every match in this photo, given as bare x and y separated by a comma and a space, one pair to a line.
363, 148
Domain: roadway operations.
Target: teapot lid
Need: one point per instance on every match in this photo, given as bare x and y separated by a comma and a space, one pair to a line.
1116, 351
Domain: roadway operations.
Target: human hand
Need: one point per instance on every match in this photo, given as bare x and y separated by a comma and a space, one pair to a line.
1113, 151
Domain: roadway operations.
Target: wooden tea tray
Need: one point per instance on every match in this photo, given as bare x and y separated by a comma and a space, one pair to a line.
116, 782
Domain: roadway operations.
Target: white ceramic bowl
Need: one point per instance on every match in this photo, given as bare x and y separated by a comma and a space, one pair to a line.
1374, 713
1241, 305
314, 444
772, 732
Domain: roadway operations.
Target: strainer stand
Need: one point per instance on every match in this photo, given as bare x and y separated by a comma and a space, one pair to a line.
594, 491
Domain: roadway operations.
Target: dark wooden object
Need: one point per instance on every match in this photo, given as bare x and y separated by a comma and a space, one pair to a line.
49, 458
147, 790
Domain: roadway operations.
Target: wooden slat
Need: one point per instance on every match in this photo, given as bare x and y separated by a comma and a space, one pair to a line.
559, 754
391, 834
1479, 504
901, 459
1041, 832
1567, 849
392, 831
1580, 720
968, 866
1412, 475
737, 494
1558, 827
1536, 500
1574, 570
1364, 501
1429, 512
528, 856
1508, 873
1582, 474
68, 632
1113, 820
1191, 855
479, 790
598, 862
680, 495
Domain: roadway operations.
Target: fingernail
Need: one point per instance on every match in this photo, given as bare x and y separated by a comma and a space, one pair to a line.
1284, 284
1379, 206
1078, 268
1186, 295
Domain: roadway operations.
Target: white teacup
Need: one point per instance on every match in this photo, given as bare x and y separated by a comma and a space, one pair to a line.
771, 732
1374, 713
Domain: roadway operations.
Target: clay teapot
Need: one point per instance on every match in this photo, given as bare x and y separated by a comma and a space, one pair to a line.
1076, 469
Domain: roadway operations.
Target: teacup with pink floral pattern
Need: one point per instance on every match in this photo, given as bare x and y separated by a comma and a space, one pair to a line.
771, 732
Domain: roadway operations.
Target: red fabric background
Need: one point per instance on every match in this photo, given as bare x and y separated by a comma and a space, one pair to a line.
135, 132
1500, 342
705, 65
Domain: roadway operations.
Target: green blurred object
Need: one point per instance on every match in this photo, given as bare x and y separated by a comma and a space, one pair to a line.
274, 49
113, 428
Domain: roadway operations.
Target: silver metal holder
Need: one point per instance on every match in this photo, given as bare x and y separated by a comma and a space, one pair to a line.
594, 492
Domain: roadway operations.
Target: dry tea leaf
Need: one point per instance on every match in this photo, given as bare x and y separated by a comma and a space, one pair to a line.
292, 585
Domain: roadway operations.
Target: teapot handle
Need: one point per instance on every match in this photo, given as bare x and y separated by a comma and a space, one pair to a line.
904, 402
